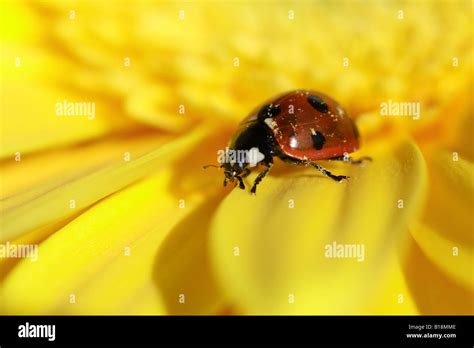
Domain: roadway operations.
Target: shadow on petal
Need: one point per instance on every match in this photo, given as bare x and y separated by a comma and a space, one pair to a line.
444, 232
104, 257
183, 271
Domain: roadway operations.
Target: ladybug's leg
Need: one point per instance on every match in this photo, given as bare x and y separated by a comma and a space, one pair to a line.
316, 166
238, 178
245, 173
241, 182
325, 171
260, 176
350, 160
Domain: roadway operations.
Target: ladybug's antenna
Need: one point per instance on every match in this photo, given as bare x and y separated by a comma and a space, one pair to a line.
212, 165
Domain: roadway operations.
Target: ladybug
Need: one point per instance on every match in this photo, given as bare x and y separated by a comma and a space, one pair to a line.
299, 127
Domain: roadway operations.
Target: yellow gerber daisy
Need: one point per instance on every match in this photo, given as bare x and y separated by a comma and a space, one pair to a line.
110, 109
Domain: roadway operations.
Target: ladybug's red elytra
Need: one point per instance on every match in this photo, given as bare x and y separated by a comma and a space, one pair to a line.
299, 127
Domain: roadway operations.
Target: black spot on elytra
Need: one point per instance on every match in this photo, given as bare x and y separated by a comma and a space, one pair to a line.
267, 111
318, 140
318, 103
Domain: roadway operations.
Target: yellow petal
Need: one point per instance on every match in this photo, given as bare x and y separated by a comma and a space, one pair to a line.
58, 203
64, 165
183, 268
434, 292
91, 251
158, 106
69, 163
34, 237
463, 136
17, 23
393, 295
112, 260
445, 231
281, 250
31, 92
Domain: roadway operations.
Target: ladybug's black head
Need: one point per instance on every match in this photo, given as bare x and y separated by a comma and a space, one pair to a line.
251, 144
232, 172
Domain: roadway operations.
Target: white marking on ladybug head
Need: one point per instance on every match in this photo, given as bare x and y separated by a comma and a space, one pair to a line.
313, 131
269, 122
254, 156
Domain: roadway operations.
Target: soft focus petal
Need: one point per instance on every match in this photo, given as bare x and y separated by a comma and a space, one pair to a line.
28, 109
158, 106
445, 231
105, 258
393, 295
434, 292
64, 165
285, 255
45, 207
57, 167
183, 269
33, 237
193, 58
462, 141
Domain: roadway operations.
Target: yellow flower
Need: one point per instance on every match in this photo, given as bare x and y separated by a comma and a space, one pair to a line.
126, 220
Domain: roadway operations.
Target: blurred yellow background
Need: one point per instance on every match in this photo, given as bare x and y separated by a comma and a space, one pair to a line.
128, 223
